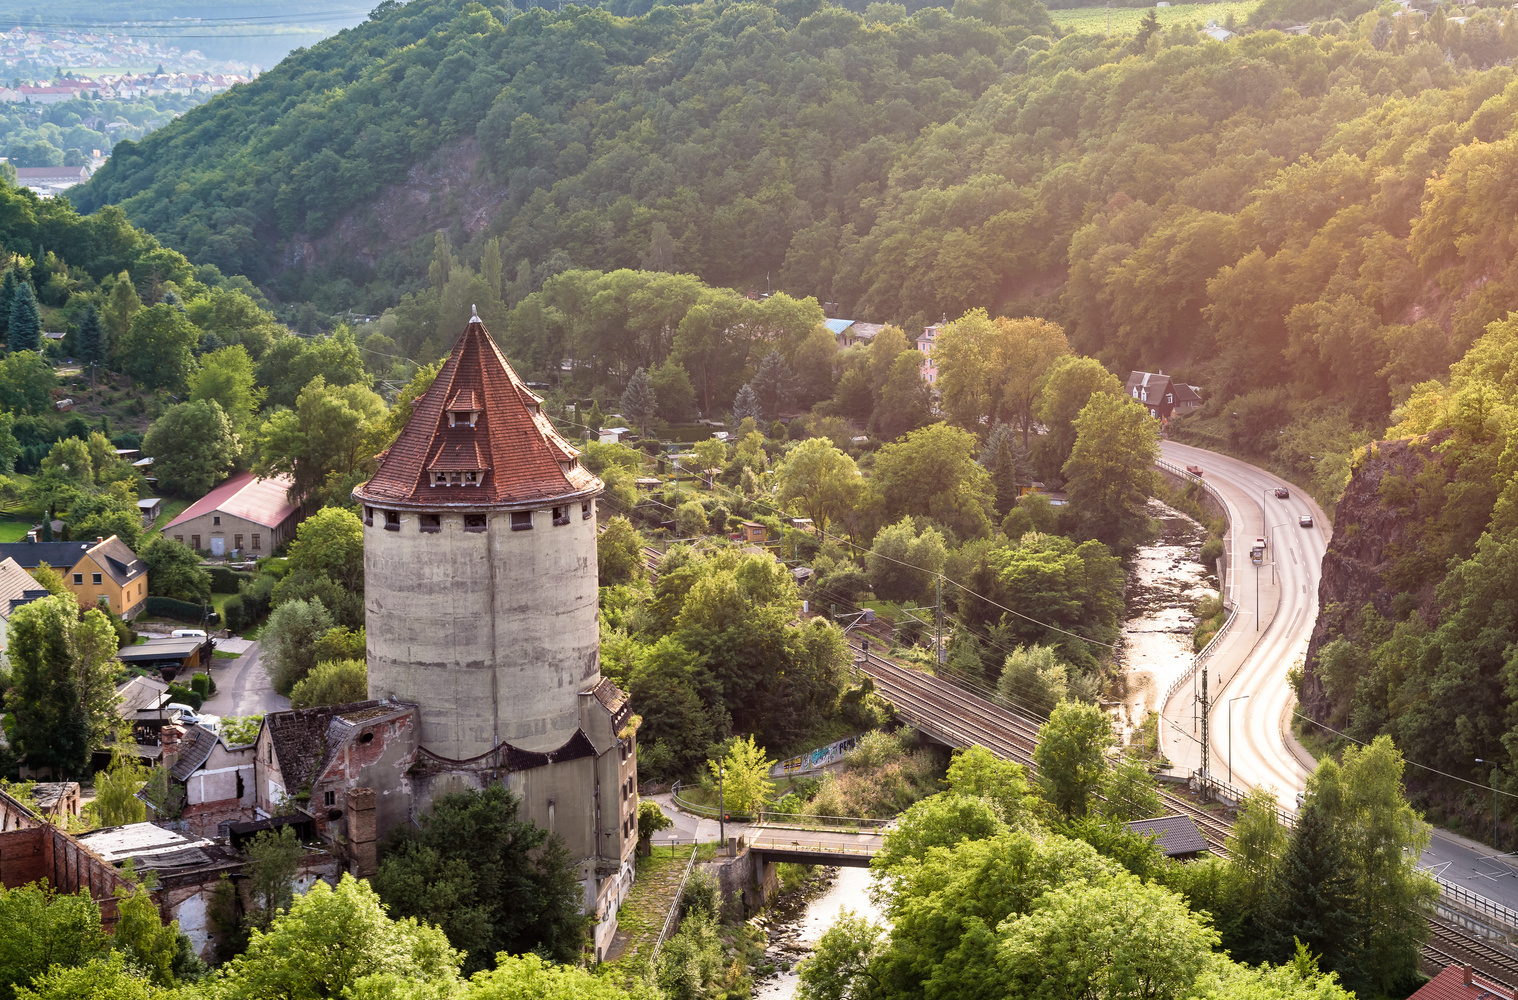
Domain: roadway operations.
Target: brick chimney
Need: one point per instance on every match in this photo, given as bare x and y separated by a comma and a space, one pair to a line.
1466, 975
169, 739
361, 845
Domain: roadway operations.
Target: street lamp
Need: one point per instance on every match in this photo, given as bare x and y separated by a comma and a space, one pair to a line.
1230, 734
1493, 764
721, 808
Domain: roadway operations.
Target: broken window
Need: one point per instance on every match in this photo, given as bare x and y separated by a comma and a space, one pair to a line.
430, 523
474, 522
521, 520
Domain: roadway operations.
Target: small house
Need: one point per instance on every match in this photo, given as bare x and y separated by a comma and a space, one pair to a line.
149, 509
1162, 395
751, 533
103, 572
613, 435
245, 514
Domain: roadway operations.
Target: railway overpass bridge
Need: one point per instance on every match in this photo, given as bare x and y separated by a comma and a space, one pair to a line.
774, 841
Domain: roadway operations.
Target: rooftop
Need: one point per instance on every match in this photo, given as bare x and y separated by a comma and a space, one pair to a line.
1175, 835
262, 501
478, 413
15, 583
1454, 984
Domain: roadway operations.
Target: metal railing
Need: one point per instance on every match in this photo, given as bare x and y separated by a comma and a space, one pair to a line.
1460, 896
674, 908
1197, 659
819, 847
801, 821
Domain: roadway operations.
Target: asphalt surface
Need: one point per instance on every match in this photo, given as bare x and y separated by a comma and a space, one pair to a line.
1276, 605
243, 687
1263, 645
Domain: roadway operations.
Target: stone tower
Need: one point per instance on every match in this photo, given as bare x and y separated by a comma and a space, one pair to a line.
480, 564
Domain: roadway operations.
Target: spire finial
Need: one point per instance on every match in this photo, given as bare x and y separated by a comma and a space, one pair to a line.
476, 317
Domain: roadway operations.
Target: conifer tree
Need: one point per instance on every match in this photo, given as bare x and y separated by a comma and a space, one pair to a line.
91, 339
7, 296
639, 401
24, 332
746, 404
1314, 897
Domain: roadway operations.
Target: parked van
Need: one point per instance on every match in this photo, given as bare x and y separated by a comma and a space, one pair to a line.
188, 633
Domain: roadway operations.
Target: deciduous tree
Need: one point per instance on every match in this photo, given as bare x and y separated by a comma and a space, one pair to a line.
819, 480
193, 446
62, 666
1109, 474
1071, 755
157, 350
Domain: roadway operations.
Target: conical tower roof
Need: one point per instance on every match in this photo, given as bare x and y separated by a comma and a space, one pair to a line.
478, 438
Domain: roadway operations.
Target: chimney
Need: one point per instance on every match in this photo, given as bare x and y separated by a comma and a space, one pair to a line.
1466, 978
169, 738
31, 536
99, 539
361, 831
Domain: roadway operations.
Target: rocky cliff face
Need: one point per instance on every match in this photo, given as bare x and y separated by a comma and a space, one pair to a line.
1367, 534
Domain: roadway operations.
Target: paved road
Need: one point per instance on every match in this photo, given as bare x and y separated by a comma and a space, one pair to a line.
1253, 660
1276, 605
243, 687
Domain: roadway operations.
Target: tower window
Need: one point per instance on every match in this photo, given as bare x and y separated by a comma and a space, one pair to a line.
521, 520
561, 515
216, 520
392, 520
369, 516
430, 523
474, 522
330, 798
584, 509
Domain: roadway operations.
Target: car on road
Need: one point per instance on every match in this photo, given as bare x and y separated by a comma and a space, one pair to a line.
1305, 520
191, 717
1282, 493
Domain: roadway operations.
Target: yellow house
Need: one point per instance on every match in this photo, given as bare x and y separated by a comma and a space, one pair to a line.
101, 572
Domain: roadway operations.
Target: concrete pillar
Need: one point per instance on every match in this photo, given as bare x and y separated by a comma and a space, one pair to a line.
361, 837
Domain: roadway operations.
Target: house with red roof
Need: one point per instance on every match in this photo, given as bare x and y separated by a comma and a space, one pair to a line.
1461, 983
244, 516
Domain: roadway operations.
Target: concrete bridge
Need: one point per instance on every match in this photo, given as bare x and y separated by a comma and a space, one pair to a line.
772, 842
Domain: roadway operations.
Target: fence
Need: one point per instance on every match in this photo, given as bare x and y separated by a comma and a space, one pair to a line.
1460, 897
768, 816
1198, 659
674, 908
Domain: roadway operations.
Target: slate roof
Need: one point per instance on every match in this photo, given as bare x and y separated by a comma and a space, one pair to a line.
15, 584
1450, 985
59, 555
1176, 835
513, 445
262, 501
194, 750
118, 560
306, 739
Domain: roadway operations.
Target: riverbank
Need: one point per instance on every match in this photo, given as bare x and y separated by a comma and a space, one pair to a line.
1166, 582
797, 920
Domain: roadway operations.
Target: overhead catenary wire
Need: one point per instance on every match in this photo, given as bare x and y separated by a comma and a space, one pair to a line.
1425, 767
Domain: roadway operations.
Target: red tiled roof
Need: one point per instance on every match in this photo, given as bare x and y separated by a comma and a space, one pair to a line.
514, 446
262, 501
1450, 985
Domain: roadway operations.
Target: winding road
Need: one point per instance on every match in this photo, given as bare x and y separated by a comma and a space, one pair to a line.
1276, 605
1247, 672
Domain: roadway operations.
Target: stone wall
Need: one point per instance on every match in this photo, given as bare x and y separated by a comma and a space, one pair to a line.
46, 853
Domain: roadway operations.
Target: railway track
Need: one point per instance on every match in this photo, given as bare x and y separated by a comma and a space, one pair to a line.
963, 718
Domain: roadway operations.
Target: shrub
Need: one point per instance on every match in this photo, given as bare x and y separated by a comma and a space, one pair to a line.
180, 611
226, 581
185, 696
333, 682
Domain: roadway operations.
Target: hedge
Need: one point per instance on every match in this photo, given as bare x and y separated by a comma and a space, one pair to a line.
182, 611
226, 581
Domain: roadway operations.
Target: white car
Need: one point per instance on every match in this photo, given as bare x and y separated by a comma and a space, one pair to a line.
194, 718
188, 633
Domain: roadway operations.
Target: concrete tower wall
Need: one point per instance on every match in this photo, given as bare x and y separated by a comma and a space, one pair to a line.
492, 633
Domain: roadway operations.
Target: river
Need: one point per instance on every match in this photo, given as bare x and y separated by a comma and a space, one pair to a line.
795, 925
1165, 582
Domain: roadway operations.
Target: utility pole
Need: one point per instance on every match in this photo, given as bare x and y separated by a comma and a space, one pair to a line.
721, 809
1494, 800
938, 619
1204, 734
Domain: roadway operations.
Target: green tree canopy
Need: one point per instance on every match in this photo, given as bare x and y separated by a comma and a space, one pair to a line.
933, 473
1109, 474
174, 570
62, 667
193, 446
157, 348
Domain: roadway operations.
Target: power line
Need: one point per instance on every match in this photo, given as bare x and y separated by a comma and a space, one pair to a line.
1433, 770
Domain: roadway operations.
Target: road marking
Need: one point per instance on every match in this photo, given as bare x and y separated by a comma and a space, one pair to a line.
1293, 554
1304, 588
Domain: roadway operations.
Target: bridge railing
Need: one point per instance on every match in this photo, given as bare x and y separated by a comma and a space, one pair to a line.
1462, 898
815, 847
674, 909
803, 821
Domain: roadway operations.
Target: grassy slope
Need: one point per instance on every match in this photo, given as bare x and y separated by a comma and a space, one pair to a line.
1125, 20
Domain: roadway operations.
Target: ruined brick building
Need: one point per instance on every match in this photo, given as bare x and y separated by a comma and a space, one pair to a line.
484, 642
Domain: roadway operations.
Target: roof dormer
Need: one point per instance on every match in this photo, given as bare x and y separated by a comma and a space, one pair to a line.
463, 408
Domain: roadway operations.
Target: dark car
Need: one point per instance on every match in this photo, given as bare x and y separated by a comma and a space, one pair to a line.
1282, 493
1305, 520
